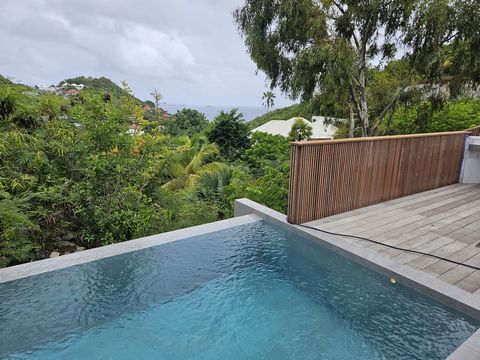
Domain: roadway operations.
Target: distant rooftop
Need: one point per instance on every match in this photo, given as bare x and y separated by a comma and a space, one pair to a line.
282, 127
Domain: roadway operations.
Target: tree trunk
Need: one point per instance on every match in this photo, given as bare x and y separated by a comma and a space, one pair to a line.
352, 122
157, 114
363, 102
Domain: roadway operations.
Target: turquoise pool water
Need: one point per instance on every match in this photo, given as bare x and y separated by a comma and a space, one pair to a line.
251, 292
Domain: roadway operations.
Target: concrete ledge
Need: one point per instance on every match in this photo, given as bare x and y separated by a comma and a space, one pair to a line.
42, 266
425, 284
469, 350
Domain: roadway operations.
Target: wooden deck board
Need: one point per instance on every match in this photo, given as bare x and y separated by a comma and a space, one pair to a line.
444, 222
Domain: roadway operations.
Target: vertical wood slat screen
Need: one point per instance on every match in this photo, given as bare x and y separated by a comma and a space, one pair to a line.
475, 131
334, 176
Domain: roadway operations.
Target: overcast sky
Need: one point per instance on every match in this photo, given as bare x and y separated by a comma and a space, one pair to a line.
189, 49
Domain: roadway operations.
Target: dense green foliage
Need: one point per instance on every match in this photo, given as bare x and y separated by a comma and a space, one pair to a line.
300, 131
285, 113
230, 133
4, 80
69, 171
451, 116
268, 160
186, 122
101, 85
329, 49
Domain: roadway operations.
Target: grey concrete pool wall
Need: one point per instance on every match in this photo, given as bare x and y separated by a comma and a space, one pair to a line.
426, 284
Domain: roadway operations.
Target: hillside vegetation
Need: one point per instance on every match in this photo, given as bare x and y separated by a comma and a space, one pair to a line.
101, 84
285, 113
5, 81
70, 173
72, 178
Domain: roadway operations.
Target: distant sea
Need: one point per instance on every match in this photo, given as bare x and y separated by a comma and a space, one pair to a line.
211, 111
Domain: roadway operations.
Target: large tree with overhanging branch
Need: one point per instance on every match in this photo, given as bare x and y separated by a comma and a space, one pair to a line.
306, 47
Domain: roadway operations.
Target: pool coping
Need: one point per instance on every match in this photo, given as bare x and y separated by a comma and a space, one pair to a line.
424, 283
41, 266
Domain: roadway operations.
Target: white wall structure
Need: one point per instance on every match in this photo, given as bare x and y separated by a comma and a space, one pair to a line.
283, 127
470, 173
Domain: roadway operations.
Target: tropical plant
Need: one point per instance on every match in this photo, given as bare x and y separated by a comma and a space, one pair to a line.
271, 189
16, 228
188, 122
230, 133
300, 131
268, 99
195, 158
8, 102
266, 150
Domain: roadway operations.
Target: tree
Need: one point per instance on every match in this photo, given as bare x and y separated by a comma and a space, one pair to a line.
188, 122
266, 150
194, 159
268, 100
156, 97
230, 133
15, 226
8, 102
307, 47
300, 131
88, 182
444, 42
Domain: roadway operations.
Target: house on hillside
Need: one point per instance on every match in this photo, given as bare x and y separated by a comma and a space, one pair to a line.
320, 130
132, 129
47, 88
78, 86
71, 92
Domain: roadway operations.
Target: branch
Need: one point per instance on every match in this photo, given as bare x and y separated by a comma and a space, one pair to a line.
450, 37
365, 38
384, 112
354, 98
389, 121
355, 80
339, 7
343, 11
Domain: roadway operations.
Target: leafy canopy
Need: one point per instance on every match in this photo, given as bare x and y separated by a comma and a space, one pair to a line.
230, 133
300, 131
323, 47
188, 122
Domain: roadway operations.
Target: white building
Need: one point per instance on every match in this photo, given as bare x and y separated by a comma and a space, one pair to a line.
47, 88
282, 127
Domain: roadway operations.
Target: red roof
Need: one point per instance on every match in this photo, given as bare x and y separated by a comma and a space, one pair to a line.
133, 126
72, 91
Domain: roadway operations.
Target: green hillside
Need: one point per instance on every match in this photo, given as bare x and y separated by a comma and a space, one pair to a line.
282, 114
101, 84
5, 81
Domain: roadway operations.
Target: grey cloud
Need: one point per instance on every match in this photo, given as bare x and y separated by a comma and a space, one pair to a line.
188, 49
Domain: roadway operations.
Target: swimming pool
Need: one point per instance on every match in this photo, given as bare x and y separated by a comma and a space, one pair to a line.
253, 291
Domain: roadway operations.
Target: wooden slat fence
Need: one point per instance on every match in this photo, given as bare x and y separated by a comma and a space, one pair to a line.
334, 176
475, 131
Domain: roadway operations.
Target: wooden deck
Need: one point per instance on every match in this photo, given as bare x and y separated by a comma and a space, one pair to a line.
444, 222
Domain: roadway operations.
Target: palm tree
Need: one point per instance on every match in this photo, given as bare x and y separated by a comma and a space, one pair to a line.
268, 100
193, 161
